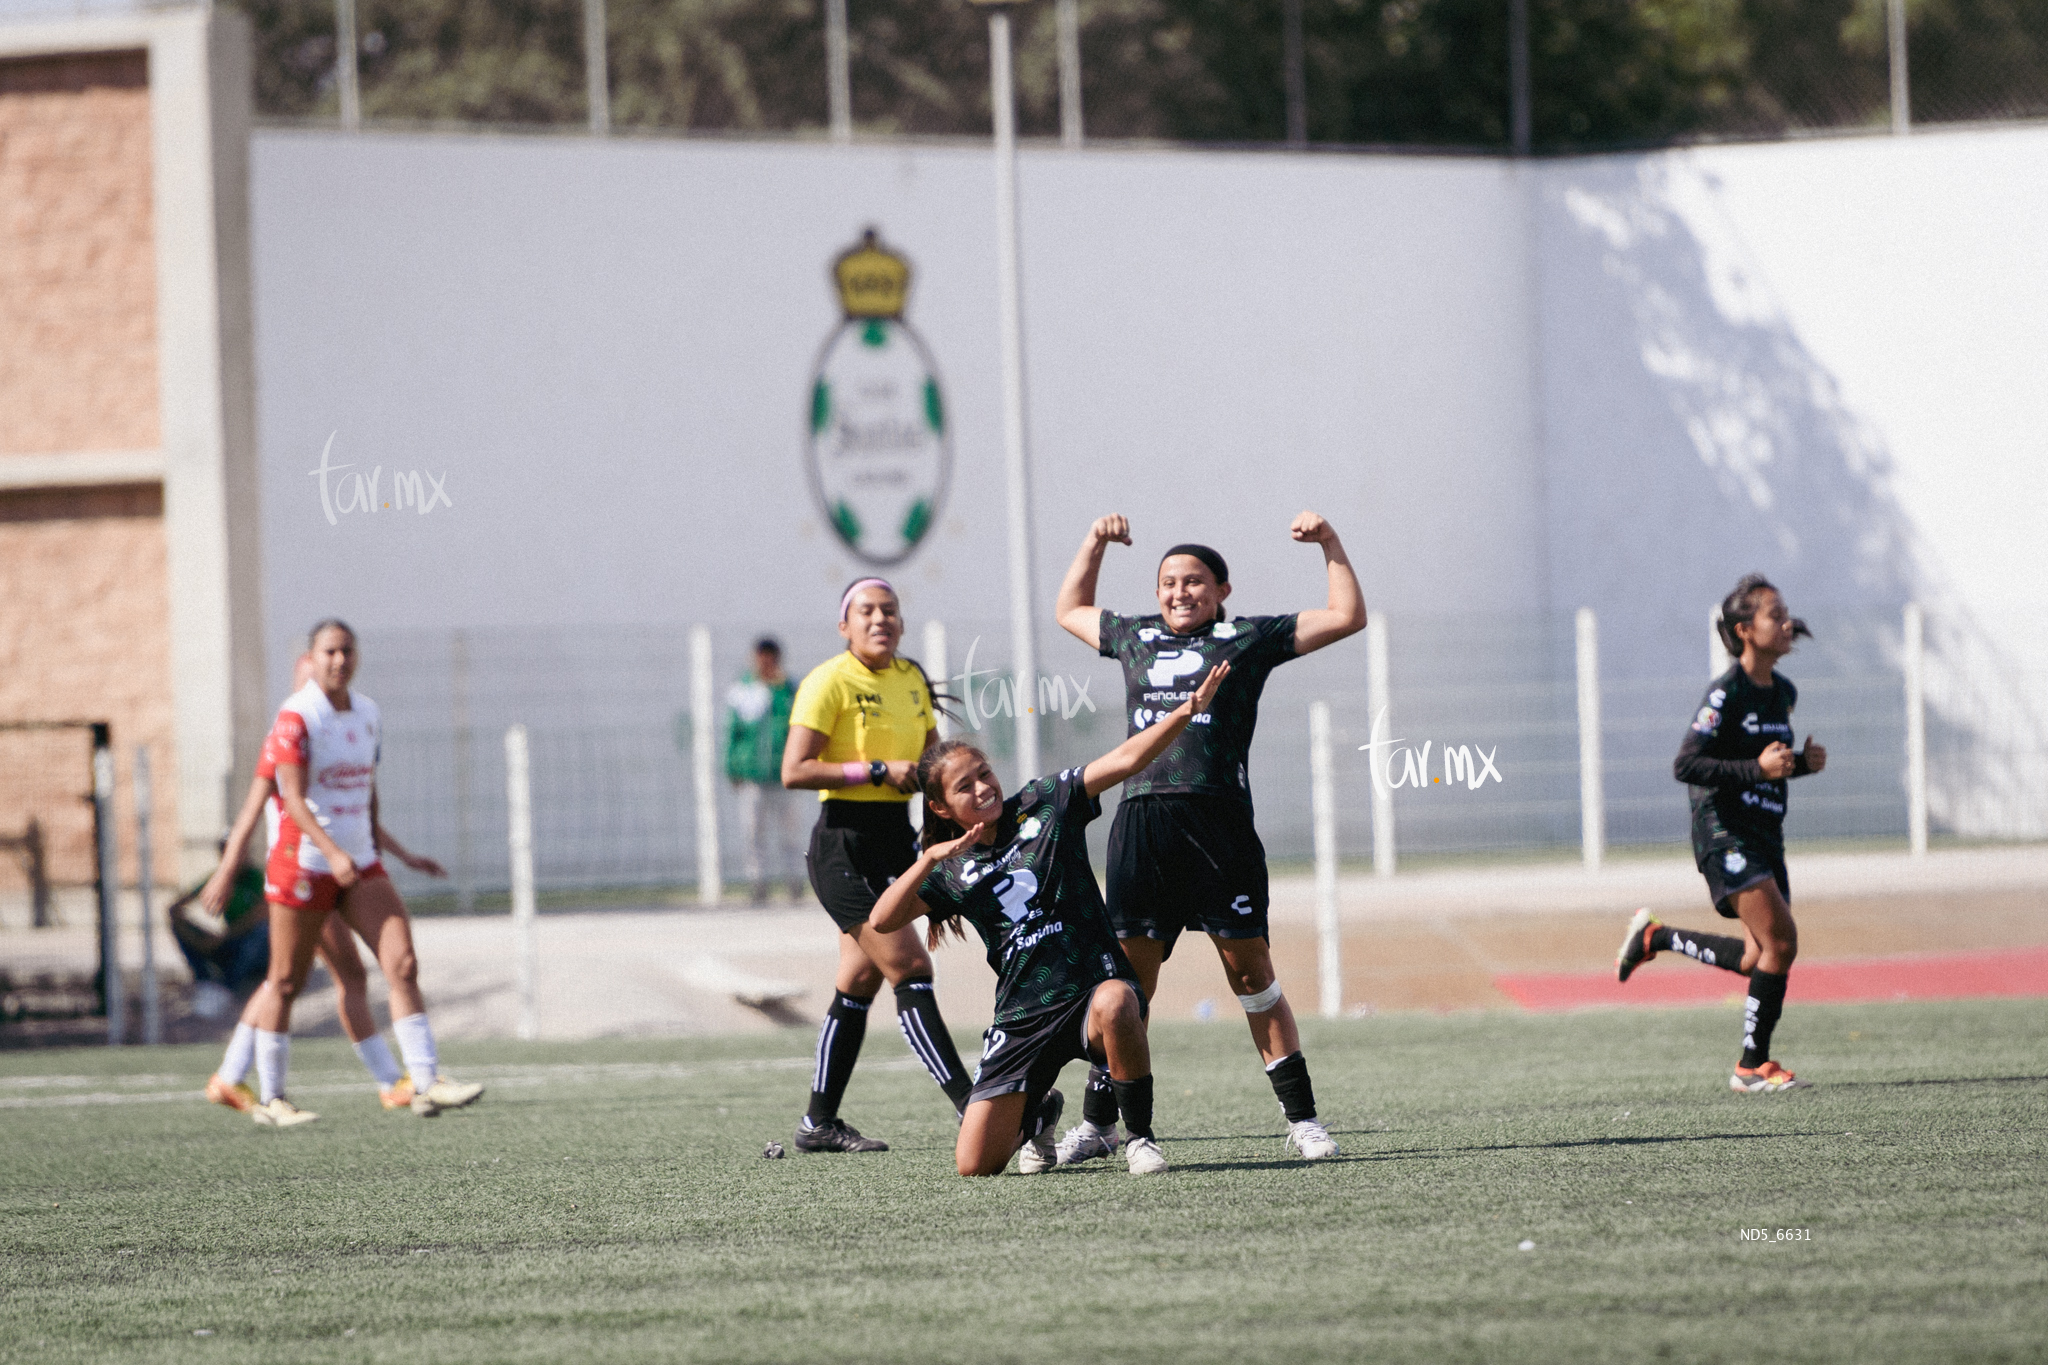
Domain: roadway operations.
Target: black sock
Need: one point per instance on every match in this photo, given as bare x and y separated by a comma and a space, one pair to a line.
1038, 1116
1134, 1099
917, 1014
1760, 1015
1098, 1101
1715, 950
1291, 1087
839, 1040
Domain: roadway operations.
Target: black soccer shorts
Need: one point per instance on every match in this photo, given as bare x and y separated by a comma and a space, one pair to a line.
1732, 868
1025, 1057
1186, 861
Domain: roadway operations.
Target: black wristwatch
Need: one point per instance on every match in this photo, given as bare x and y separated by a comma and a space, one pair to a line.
878, 772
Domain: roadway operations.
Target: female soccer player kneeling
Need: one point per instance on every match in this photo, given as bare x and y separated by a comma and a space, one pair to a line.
1018, 871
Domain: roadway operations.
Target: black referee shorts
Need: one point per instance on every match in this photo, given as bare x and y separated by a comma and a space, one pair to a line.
1188, 861
857, 849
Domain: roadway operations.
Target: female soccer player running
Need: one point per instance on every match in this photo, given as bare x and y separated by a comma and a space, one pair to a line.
324, 748
1182, 850
1735, 761
1018, 871
860, 722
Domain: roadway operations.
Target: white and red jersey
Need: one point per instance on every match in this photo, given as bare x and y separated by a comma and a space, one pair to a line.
338, 751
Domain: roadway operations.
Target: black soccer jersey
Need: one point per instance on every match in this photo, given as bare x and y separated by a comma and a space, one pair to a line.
1032, 897
1732, 801
1162, 670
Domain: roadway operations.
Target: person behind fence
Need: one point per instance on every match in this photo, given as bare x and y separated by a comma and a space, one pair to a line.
228, 948
1735, 761
756, 729
861, 721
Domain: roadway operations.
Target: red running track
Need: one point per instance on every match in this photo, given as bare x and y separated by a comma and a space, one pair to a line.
1674, 979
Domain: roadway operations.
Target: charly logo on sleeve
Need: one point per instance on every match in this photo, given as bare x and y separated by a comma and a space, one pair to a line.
878, 450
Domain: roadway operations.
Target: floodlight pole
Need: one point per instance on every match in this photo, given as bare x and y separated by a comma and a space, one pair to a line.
1520, 118
345, 78
1023, 610
838, 76
1902, 94
597, 67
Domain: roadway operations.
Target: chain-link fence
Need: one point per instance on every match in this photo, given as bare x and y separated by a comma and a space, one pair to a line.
612, 736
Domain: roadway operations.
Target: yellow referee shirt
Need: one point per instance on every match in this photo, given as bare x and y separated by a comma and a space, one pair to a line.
865, 715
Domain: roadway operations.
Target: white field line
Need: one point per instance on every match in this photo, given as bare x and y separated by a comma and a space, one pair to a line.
344, 1083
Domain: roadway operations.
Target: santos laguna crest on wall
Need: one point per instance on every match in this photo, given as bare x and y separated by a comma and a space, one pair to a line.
878, 452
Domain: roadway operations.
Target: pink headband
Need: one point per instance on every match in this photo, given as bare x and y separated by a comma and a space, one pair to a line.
846, 602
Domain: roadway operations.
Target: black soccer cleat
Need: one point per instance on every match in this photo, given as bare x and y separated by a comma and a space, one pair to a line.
1635, 944
833, 1135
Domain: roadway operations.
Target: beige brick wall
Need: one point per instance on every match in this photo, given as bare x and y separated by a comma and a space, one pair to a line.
85, 627
85, 635
78, 366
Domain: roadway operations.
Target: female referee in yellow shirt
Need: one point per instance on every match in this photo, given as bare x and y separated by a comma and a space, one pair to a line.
859, 725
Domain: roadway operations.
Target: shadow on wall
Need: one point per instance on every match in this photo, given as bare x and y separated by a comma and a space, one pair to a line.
1690, 436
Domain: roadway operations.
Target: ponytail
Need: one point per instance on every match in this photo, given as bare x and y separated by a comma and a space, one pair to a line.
1738, 608
939, 699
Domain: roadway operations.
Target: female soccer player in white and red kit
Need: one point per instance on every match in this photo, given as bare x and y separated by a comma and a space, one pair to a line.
324, 748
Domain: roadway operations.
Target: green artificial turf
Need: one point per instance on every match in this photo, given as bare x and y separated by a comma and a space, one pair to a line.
609, 1201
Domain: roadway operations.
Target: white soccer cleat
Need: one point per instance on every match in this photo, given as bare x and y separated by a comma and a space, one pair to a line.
1083, 1144
1308, 1138
1144, 1156
281, 1113
444, 1094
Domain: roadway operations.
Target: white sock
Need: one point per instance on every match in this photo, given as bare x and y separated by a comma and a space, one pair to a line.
416, 1042
241, 1055
376, 1057
1089, 1124
273, 1055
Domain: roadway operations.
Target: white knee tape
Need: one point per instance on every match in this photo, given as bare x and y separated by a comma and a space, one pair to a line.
1263, 1001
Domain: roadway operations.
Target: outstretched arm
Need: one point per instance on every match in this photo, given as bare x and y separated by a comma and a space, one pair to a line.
214, 895
1076, 610
1345, 614
1135, 754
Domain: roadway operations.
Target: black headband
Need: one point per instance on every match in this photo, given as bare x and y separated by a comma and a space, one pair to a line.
1210, 559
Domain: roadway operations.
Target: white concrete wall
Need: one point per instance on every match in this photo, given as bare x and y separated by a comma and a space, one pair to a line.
1834, 351
607, 348
1615, 381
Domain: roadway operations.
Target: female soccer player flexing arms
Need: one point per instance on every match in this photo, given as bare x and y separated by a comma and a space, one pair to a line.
324, 749
1182, 850
1735, 761
860, 722
1017, 870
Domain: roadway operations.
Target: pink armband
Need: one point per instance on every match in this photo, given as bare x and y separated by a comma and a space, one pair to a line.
854, 773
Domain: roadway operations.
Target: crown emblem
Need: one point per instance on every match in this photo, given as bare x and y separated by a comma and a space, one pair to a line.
873, 281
